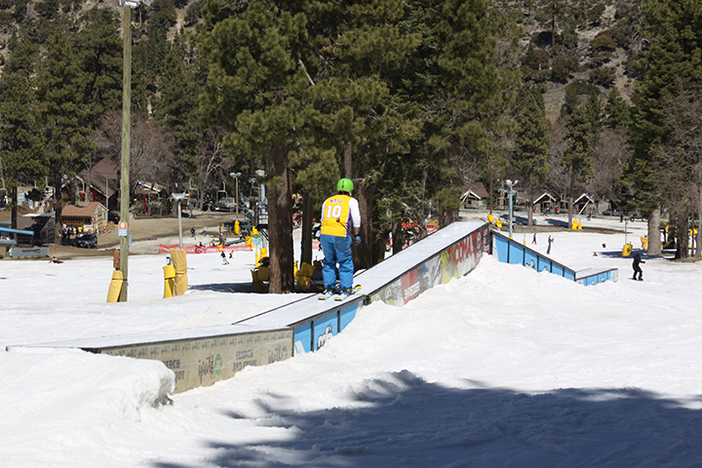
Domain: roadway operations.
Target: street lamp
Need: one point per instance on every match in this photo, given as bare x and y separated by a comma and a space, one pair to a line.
236, 176
179, 197
126, 139
510, 191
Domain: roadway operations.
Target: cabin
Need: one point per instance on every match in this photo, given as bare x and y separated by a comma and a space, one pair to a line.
88, 217
100, 183
474, 197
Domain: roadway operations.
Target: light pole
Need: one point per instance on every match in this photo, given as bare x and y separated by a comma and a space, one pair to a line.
510, 191
179, 197
126, 140
236, 176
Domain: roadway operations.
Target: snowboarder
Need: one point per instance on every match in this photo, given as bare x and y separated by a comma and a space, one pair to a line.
637, 266
224, 258
192, 232
338, 211
533, 240
550, 241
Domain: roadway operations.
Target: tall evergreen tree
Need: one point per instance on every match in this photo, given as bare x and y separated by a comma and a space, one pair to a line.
617, 111
257, 91
577, 156
21, 144
531, 157
470, 93
62, 113
98, 48
360, 113
672, 55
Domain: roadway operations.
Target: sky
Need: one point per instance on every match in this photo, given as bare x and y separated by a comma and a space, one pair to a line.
503, 367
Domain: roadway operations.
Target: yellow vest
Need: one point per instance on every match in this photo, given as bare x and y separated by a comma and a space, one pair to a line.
335, 216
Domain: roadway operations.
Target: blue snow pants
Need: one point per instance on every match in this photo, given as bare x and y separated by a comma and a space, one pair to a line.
337, 250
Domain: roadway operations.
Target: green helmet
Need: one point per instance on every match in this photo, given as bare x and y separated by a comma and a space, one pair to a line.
344, 185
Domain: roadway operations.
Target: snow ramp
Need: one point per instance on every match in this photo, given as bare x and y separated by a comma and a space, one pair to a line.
203, 356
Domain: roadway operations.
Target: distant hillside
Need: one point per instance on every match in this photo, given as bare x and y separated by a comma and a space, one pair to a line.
593, 51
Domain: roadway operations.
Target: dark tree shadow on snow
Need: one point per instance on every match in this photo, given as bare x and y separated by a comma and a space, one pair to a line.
411, 423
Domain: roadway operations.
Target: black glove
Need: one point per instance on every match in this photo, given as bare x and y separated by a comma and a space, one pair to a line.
357, 240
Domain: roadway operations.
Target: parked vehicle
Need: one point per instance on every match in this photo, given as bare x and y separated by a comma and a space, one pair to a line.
86, 241
113, 217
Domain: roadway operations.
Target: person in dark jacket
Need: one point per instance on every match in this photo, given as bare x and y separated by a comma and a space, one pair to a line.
637, 266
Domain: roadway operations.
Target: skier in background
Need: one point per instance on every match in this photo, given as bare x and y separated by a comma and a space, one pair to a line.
637, 266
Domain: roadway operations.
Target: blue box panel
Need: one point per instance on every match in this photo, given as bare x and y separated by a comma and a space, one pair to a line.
502, 248
531, 260
302, 338
569, 274
324, 328
516, 254
544, 264
557, 270
347, 314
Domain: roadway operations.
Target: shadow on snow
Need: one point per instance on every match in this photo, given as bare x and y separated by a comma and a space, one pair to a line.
405, 421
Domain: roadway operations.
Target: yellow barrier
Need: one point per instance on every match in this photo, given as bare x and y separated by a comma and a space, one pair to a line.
181, 271
644, 243
115, 286
626, 251
237, 228
491, 218
169, 275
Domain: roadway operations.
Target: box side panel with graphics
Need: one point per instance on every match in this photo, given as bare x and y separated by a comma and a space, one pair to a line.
303, 338
324, 328
197, 362
455, 261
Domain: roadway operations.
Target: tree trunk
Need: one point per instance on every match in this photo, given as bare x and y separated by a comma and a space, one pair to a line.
363, 254
13, 214
570, 198
280, 222
58, 196
698, 237
682, 236
306, 247
397, 237
348, 160
530, 207
654, 232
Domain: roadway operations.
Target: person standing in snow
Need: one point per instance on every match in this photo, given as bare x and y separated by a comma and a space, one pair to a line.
550, 241
637, 266
339, 212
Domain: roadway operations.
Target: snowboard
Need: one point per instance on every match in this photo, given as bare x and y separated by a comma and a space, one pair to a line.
337, 297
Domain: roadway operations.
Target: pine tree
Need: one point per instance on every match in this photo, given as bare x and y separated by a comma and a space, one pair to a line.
671, 57
62, 113
22, 147
360, 113
578, 154
617, 111
99, 50
469, 95
257, 90
532, 154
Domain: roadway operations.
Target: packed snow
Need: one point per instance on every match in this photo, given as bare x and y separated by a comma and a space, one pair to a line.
503, 367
